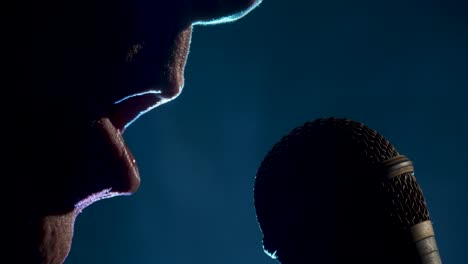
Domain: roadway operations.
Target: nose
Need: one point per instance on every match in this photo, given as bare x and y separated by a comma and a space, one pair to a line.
165, 50
220, 11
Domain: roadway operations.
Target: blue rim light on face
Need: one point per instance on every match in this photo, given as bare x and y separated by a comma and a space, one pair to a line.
137, 94
157, 93
228, 19
271, 255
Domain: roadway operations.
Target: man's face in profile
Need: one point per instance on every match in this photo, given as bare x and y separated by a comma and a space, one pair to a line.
79, 73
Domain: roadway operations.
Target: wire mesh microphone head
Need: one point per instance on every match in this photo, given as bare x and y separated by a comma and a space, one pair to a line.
326, 181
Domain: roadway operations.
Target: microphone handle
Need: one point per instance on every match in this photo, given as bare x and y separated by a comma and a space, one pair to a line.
426, 245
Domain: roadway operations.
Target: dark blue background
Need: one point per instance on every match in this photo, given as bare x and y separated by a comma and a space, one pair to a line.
398, 66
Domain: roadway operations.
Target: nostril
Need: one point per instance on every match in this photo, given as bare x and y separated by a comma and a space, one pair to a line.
221, 11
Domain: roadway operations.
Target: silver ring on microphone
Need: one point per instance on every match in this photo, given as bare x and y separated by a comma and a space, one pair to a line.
421, 233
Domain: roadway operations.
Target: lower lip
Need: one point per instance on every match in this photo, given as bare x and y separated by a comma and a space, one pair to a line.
122, 153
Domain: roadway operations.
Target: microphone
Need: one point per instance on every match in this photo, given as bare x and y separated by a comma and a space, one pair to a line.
335, 191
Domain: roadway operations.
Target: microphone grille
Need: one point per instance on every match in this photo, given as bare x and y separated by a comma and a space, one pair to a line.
374, 147
370, 145
405, 203
361, 147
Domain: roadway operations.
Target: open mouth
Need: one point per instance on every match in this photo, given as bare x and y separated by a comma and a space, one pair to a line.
114, 164
120, 117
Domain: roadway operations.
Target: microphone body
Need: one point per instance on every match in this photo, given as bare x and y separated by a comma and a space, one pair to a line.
401, 190
335, 191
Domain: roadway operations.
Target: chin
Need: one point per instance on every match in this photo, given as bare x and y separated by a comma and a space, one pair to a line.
49, 244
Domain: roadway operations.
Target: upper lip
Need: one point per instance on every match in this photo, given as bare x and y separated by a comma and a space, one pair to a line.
128, 109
